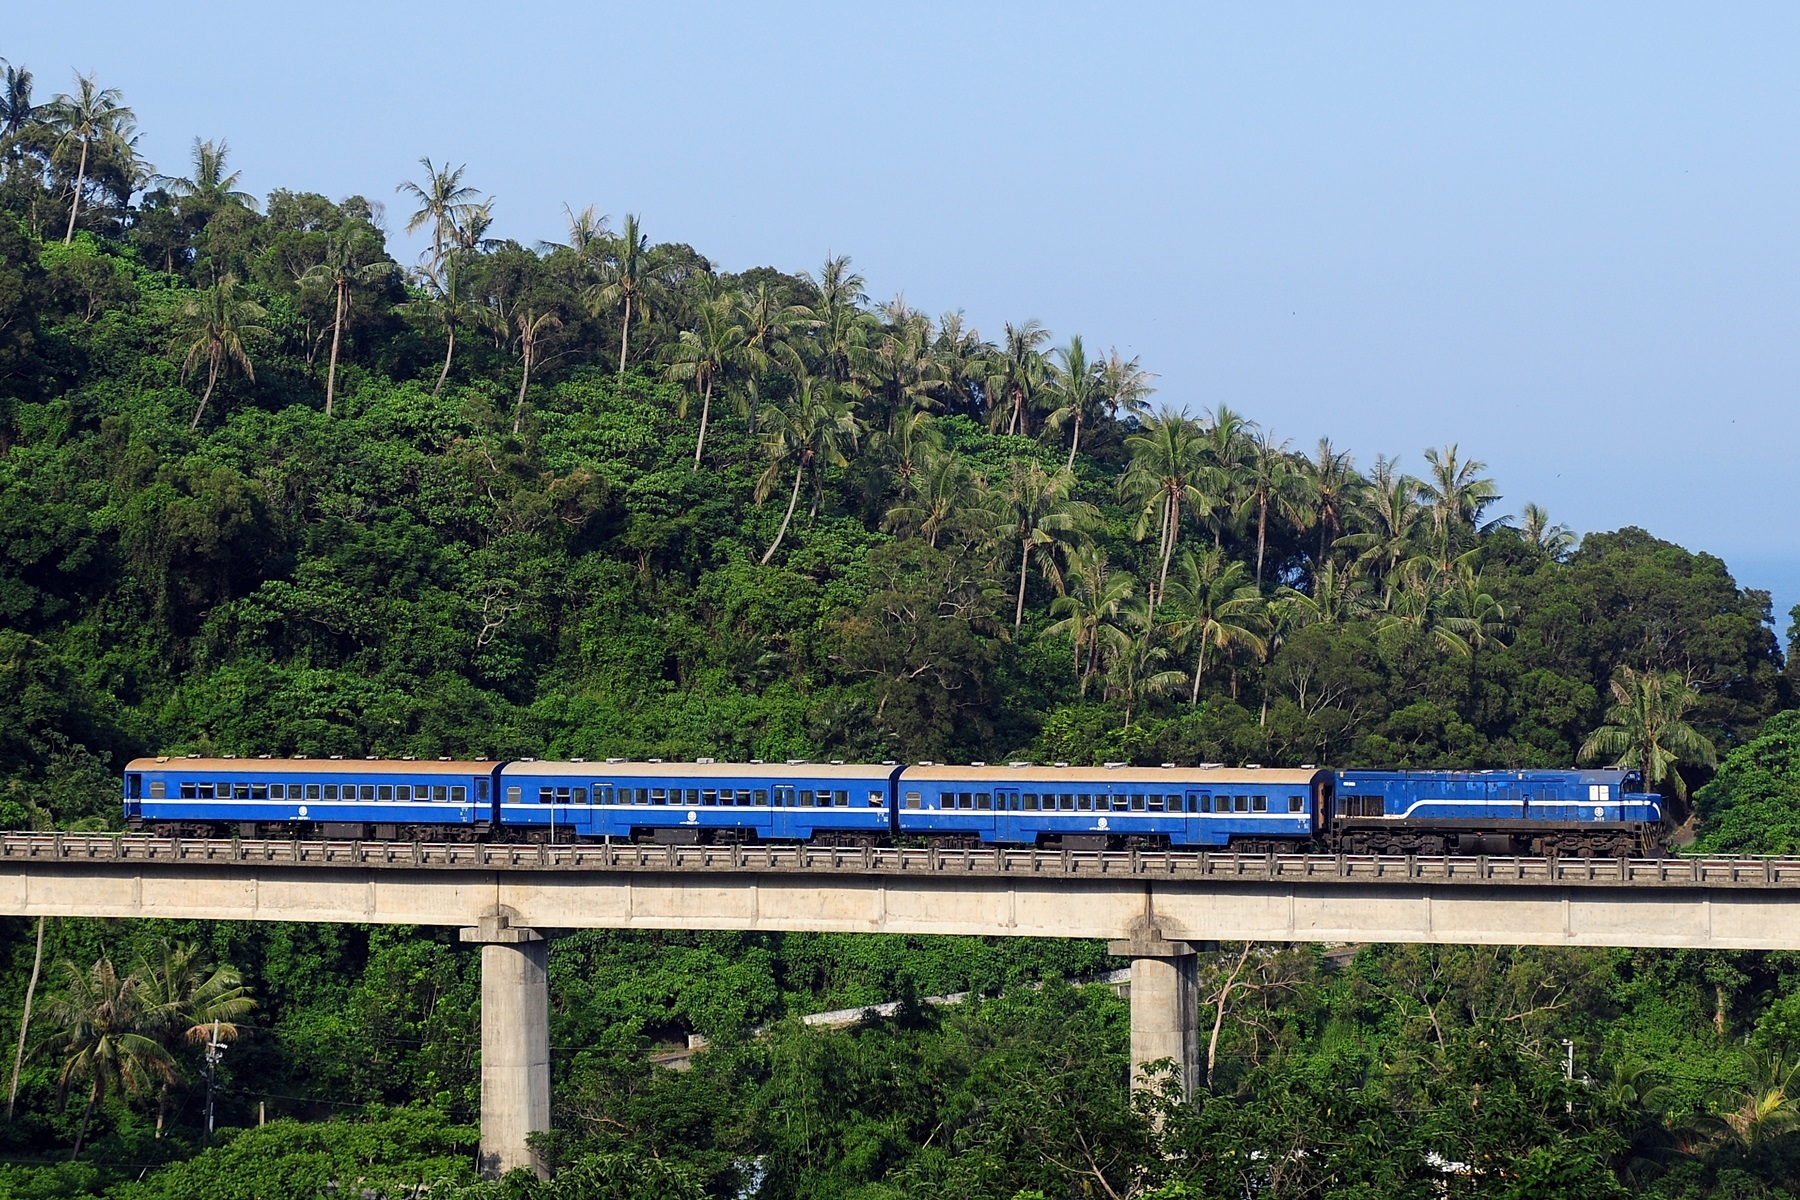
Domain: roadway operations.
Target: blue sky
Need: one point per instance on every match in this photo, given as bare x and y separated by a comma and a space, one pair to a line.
1562, 236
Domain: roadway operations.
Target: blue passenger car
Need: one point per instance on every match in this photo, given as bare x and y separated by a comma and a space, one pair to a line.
1495, 812
703, 801
274, 797
1114, 806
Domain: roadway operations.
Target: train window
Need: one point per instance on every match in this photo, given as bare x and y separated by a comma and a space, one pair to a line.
1295, 804
1066, 803
762, 797
403, 791
643, 795
709, 797
224, 789
385, 792
965, 800
366, 792
513, 795
1137, 804
693, 795
440, 792
259, 791
459, 794
984, 801
1028, 801
806, 798
1259, 804
1240, 804
876, 799
544, 795
840, 799
196, 791
564, 795
331, 791
659, 795
312, 791
240, 791
481, 790
157, 789
1153, 802
277, 791
913, 799
1084, 802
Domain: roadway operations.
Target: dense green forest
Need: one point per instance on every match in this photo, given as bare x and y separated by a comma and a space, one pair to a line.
265, 489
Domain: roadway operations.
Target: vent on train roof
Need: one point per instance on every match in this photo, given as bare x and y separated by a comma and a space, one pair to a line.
162, 758
615, 760
301, 757
337, 758
415, 758
1212, 766
228, 756
756, 762
976, 762
705, 762
1113, 766
1168, 764
262, 756
837, 762
1252, 766
796, 762
1309, 766
1060, 764
1019, 762
889, 762
926, 762
579, 760
370, 758
443, 758
654, 760
194, 755
528, 760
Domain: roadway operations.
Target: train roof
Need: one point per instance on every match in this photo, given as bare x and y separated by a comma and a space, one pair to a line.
1528, 775
314, 766
776, 772
1170, 776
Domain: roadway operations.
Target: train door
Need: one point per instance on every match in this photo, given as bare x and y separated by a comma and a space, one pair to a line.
1007, 821
1199, 827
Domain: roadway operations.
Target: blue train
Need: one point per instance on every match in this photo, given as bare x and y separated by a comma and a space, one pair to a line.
1021, 804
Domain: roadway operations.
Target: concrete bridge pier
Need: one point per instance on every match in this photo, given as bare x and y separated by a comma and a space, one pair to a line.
1164, 1007
515, 1043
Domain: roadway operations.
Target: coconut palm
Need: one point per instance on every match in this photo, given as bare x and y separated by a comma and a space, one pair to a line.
1484, 619
1090, 611
1125, 386
1646, 728
1168, 465
1332, 489
1456, 496
1389, 519
1034, 511
1135, 672
1536, 528
1766, 1106
90, 117
212, 328
703, 356
348, 264
631, 279
772, 327
814, 429
1219, 610
18, 113
1079, 386
470, 232
935, 498
1270, 487
211, 185
444, 202
1018, 376
587, 230
1418, 599
1226, 440
896, 369
188, 999
838, 320
443, 303
534, 329
102, 1020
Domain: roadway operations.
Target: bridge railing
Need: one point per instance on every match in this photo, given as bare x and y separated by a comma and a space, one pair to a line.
1215, 866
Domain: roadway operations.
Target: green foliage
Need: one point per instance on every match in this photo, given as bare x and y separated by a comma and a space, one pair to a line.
1752, 806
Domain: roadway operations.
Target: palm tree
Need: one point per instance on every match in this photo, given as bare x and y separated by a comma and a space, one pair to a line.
188, 1000
470, 232
838, 321
1136, 673
102, 1017
810, 431
1220, 609
213, 327
1646, 728
1484, 618
1125, 386
1389, 517
1418, 599
1018, 376
93, 116
1271, 486
704, 355
444, 202
443, 302
1080, 389
1034, 511
630, 278
1226, 440
37, 961
343, 270
1766, 1106
1090, 611
771, 327
1457, 497
1168, 463
17, 112
1536, 528
936, 497
210, 183
1332, 489
534, 328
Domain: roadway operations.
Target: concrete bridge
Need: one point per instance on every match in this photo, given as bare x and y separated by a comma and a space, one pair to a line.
1156, 908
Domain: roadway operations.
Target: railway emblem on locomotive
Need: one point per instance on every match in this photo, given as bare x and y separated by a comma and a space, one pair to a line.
692, 816
1102, 823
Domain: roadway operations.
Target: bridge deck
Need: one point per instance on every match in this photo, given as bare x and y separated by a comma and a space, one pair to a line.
1212, 867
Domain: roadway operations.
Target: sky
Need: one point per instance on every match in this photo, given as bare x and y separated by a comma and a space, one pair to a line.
1562, 237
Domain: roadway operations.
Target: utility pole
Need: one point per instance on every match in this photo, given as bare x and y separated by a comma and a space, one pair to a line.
215, 1050
1569, 1071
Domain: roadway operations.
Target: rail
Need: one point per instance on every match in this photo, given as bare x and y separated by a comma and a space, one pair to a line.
1207, 866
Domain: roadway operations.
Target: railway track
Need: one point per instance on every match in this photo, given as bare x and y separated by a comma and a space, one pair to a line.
1200, 866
